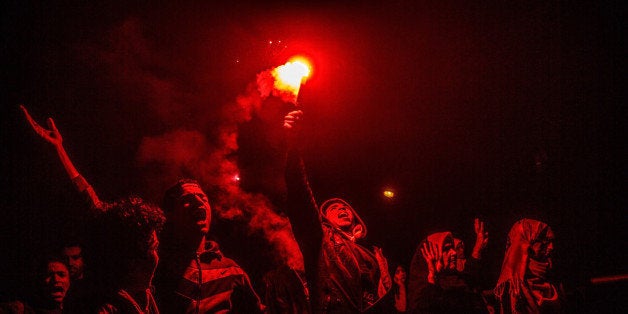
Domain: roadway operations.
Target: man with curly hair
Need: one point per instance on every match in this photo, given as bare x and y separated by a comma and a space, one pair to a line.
123, 246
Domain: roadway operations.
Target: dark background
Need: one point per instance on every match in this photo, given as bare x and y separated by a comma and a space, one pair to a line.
499, 110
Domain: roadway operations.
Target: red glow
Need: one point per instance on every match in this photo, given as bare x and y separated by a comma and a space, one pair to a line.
290, 76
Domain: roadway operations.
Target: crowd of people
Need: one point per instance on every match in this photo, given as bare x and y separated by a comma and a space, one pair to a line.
140, 257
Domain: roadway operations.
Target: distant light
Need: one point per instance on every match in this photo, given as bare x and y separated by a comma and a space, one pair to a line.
389, 193
236, 178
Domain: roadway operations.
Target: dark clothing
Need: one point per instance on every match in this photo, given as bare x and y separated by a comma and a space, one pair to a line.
82, 297
206, 282
19, 307
345, 276
450, 294
286, 292
453, 292
123, 303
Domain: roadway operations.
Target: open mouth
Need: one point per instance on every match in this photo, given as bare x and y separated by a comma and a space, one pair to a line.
343, 215
57, 291
199, 214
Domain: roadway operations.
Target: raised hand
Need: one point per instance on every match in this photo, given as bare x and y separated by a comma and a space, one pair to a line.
400, 276
481, 238
292, 119
51, 135
383, 268
434, 259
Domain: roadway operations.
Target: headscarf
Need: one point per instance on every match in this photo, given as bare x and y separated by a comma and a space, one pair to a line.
524, 277
417, 277
358, 230
353, 267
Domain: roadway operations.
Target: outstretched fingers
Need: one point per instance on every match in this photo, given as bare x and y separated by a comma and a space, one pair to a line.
31, 121
51, 135
51, 125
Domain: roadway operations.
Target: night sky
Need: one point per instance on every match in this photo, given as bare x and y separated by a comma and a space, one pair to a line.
486, 109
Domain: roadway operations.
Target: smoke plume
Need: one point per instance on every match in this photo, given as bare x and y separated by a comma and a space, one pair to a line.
190, 147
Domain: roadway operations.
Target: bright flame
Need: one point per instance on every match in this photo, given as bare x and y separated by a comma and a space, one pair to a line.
290, 76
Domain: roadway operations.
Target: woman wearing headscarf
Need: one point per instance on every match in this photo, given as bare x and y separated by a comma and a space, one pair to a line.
346, 277
436, 284
526, 283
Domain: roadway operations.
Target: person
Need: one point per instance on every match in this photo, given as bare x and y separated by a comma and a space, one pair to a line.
399, 289
286, 291
194, 276
80, 295
125, 244
73, 254
346, 276
527, 282
441, 281
123, 239
53, 283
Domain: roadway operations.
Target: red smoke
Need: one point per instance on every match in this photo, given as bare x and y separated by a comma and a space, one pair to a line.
184, 153
201, 140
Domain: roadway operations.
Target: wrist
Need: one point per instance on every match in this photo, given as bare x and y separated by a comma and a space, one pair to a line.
431, 278
477, 252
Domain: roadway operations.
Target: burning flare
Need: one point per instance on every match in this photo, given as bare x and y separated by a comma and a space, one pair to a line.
290, 76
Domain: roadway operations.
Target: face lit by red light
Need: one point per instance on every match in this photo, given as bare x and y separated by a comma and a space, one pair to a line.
74, 258
449, 255
56, 281
400, 274
192, 211
339, 215
542, 249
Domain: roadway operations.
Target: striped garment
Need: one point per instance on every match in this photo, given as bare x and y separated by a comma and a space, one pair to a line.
211, 283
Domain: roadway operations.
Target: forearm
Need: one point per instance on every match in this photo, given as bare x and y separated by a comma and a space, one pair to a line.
301, 207
79, 182
431, 277
401, 299
67, 163
83, 187
477, 251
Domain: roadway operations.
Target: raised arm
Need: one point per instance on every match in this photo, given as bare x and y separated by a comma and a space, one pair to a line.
301, 205
300, 194
481, 238
53, 136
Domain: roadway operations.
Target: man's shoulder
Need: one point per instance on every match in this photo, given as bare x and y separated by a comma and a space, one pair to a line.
214, 257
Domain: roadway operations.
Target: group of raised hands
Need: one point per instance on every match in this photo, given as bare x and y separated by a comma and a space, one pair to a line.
433, 255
